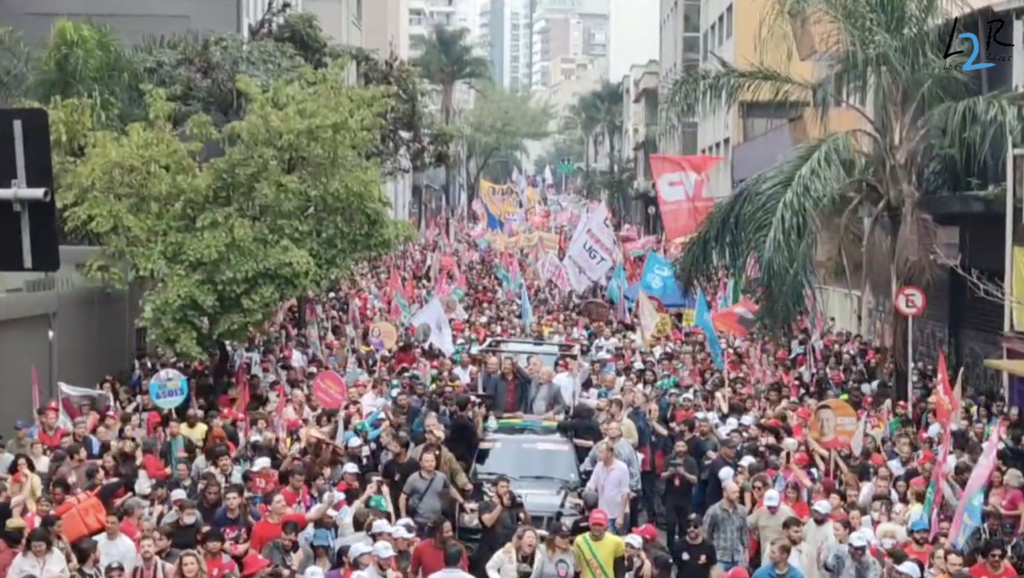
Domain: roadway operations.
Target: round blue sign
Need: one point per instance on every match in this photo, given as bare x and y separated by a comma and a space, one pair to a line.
168, 388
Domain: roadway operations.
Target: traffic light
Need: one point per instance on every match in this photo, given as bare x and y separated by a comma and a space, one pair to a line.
565, 166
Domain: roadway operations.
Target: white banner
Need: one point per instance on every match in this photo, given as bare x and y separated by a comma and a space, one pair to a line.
548, 266
592, 249
72, 400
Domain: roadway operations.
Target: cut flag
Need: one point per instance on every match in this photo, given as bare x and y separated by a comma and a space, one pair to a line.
681, 183
704, 323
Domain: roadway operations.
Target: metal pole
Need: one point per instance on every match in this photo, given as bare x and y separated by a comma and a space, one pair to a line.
910, 367
563, 182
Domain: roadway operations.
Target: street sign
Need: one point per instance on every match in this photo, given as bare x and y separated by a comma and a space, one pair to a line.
910, 301
28, 212
565, 166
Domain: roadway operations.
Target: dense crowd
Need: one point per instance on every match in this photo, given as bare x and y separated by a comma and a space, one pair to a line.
791, 458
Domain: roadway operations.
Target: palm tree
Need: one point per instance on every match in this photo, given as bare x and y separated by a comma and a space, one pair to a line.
916, 120
448, 60
583, 120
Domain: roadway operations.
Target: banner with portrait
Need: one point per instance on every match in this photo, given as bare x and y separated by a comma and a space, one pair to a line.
502, 204
833, 424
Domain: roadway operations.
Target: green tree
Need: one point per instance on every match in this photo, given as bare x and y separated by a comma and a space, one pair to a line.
290, 205
449, 60
496, 131
917, 118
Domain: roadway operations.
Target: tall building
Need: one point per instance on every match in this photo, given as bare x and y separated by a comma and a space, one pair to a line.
386, 26
633, 34
566, 28
425, 14
679, 52
503, 27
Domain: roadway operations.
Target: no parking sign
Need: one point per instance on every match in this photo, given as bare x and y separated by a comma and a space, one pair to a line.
168, 388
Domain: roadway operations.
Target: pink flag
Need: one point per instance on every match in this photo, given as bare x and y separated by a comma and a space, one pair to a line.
35, 388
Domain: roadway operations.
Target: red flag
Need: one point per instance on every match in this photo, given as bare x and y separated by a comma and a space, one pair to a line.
943, 395
680, 182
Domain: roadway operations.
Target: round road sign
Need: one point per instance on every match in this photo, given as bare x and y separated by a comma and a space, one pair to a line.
910, 301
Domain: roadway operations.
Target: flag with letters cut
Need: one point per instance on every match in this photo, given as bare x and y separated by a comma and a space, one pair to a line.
681, 183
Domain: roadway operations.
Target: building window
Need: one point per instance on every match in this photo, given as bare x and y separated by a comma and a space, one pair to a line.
704, 47
359, 11
691, 49
761, 117
727, 151
721, 29
728, 22
712, 36
691, 17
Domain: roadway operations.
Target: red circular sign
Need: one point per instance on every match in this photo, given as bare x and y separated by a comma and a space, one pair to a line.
910, 301
329, 390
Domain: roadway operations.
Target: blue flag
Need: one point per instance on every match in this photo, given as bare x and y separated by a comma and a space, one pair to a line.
617, 287
525, 307
703, 322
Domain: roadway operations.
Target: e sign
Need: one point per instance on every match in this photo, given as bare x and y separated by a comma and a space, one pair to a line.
910, 301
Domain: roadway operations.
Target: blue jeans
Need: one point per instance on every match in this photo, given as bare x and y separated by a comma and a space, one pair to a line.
726, 566
614, 529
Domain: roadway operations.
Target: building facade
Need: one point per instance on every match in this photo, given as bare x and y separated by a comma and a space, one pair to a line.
566, 28
426, 14
679, 37
386, 26
503, 36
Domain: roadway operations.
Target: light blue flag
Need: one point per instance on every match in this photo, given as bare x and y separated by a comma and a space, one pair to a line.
703, 322
525, 307
616, 288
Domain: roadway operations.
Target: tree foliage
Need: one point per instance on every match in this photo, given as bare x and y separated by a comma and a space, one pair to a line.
497, 128
291, 204
916, 117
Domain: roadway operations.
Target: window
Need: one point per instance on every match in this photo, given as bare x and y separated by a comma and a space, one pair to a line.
691, 17
704, 47
712, 36
728, 22
726, 151
721, 29
691, 49
761, 117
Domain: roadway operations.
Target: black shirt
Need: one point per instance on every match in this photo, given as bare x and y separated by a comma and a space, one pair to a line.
678, 489
695, 560
714, 494
395, 473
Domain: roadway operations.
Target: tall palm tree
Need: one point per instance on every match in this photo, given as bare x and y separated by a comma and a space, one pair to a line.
583, 119
608, 111
448, 60
917, 120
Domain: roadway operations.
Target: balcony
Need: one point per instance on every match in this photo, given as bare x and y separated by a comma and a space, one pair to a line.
766, 150
646, 85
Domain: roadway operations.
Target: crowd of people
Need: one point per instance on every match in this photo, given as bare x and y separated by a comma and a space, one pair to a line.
690, 467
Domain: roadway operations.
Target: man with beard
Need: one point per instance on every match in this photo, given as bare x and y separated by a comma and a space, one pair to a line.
918, 547
767, 521
679, 478
150, 564
694, 556
725, 527
400, 467
431, 555
601, 554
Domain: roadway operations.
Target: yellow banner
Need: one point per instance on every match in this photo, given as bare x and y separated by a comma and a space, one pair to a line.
1018, 288
504, 200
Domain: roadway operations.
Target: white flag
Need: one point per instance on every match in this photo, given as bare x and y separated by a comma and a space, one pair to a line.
440, 329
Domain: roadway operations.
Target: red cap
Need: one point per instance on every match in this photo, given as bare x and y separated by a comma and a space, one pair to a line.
599, 518
737, 572
801, 459
648, 532
253, 563
927, 457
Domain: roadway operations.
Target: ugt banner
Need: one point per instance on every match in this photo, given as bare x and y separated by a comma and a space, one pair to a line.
680, 182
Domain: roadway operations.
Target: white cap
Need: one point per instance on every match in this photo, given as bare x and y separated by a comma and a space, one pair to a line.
358, 549
688, 395
178, 495
354, 442
406, 523
349, 468
772, 499
747, 420
634, 541
383, 549
400, 533
746, 461
790, 445
260, 464
822, 507
909, 568
726, 474
380, 526
314, 572
858, 540
732, 423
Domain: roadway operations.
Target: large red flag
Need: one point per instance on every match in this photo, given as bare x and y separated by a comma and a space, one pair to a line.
681, 184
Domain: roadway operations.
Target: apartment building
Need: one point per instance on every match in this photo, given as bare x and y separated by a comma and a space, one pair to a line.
679, 52
566, 28
504, 39
425, 14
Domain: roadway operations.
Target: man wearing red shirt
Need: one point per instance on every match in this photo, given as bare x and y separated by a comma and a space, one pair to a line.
50, 433
428, 555
218, 563
993, 563
269, 528
918, 547
296, 494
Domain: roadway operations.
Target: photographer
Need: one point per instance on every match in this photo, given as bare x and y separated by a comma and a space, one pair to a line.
500, 517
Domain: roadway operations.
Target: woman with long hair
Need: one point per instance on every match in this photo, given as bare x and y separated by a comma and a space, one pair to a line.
520, 552
190, 565
556, 559
40, 559
24, 481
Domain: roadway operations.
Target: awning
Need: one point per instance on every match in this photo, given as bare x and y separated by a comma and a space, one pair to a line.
1014, 367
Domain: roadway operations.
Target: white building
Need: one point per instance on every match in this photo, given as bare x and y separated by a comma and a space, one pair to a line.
714, 131
566, 28
504, 39
633, 34
680, 52
425, 14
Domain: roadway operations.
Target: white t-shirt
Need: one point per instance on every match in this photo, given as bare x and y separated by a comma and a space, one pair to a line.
120, 549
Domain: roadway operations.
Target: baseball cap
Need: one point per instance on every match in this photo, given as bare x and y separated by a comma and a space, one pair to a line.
599, 518
113, 567
401, 533
350, 468
383, 549
260, 464
919, 525
21, 425
858, 540
909, 568
359, 549
726, 474
737, 572
772, 499
648, 532
822, 507
380, 526
178, 496
747, 461
354, 442
634, 541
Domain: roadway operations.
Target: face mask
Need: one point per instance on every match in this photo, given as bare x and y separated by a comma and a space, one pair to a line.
888, 543
188, 519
